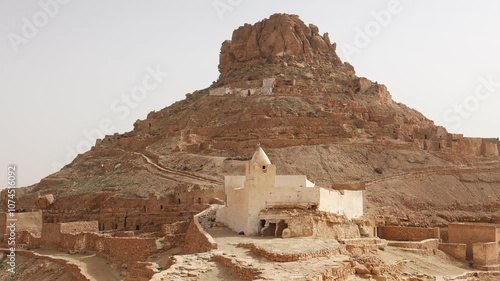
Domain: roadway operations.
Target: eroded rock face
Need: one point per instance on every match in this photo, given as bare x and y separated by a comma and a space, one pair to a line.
280, 35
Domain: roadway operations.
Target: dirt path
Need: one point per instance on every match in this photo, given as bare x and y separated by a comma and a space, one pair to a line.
190, 177
436, 171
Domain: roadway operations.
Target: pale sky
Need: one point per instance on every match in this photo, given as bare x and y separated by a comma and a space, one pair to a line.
70, 69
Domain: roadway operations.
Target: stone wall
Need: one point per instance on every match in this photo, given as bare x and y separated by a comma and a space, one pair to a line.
485, 254
291, 256
51, 234
28, 238
456, 250
443, 234
489, 148
361, 246
28, 221
79, 226
324, 228
84, 241
470, 233
237, 269
438, 139
197, 239
127, 249
118, 249
175, 233
399, 233
302, 223
424, 247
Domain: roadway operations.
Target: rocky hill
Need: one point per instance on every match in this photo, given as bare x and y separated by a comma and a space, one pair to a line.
282, 85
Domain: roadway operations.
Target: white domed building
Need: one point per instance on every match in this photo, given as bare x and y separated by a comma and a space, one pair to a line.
249, 197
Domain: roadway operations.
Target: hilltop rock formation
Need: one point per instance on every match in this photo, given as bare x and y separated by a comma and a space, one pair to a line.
279, 36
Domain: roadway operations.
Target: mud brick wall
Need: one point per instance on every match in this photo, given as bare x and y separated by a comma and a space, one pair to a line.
197, 239
31, 221
243, 272
399, 233
175, 233
327, 229
79, 226
470, 233
456, 250
117, 249
51, 234
175, 228
430, 244
128, 249
58, 234
485, 253
32, 240
80, 241
443, 233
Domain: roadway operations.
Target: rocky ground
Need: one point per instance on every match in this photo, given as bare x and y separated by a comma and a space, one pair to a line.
234, 261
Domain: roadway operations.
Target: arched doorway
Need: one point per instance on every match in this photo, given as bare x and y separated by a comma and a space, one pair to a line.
270, 230
281, 225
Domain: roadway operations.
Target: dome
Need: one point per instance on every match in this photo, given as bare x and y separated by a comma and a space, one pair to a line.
260, 157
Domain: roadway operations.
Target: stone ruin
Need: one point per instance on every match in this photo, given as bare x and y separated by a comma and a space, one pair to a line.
438, 139
477, 243
265, 89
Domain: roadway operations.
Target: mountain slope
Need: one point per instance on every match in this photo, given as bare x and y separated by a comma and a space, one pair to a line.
282, 85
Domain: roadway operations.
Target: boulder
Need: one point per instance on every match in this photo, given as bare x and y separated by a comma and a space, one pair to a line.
44, 202
360, 269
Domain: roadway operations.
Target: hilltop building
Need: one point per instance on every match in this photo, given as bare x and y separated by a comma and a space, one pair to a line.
248, 198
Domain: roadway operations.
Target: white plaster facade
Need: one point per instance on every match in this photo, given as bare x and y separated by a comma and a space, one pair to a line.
261, 188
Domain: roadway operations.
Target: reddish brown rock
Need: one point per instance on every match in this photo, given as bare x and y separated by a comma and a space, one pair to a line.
361, 269
280, 35
43, 202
